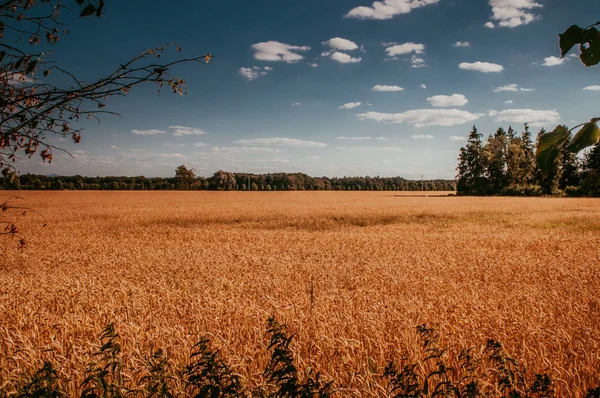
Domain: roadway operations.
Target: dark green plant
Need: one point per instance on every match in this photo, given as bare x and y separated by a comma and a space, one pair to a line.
44, 383
158, 381
105, 378
209, 376
281, 373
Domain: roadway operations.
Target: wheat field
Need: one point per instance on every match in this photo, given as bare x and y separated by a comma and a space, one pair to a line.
351, 274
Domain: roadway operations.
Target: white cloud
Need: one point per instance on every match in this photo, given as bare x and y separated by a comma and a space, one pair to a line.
424, 117
295, 104
148, 132
382, 87
17, 79
489, 25
114, 147
355, 138
457, 138
462, 44
180, 131
254, 72
198, 145
351, 105
281, 141
337, 43
238, 149
387, 9
313, 157
406, 48
448, 100
592, 88
512, 88
513, 13
531, 116
371, 148
553, 61
276, 51
171, 145
417, 62
423, 86
422, 137
484, 67
344, 58
312, 65
508, 101
508, 87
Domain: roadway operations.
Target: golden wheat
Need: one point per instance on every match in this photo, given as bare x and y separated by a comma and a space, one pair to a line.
352, 274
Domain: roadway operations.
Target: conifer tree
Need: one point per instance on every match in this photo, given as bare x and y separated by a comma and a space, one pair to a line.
471, 178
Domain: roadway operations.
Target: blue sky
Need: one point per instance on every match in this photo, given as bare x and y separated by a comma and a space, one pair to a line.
326, 87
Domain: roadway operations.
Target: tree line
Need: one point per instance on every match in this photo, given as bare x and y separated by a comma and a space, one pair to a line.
505, 164
186, 179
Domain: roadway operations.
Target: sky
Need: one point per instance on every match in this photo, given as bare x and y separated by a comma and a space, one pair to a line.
324, 87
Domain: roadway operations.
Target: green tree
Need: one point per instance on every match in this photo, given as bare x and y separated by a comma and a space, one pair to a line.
590, 179
471, 178
185, 177
494, 158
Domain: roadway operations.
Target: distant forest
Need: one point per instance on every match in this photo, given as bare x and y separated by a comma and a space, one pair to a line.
505, 164
185, 179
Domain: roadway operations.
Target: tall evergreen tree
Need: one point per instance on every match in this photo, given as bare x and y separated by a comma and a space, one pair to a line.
590, 181
471, 178
570, 170
520, 160
494, 155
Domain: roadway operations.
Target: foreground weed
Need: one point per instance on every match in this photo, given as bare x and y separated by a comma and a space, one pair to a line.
158, 382
44, 383
209, 376
105, 378
281, 372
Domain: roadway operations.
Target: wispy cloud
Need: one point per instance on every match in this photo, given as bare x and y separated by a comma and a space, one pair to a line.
592, 88
484, 67
512, 88
254, 72
457, 138
554, 61
406, 48
513, 13
278, 52
337, 43
383, 87
313, 65
387, 9
424, 117
365, 138
148, 132
448, 100
344, 58
281, 141
350, 105
531, 116
422, 137
179, 131
462, 44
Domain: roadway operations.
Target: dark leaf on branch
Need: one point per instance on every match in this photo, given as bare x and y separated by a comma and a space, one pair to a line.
587, 136
87, 11
549, 147
571, 37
